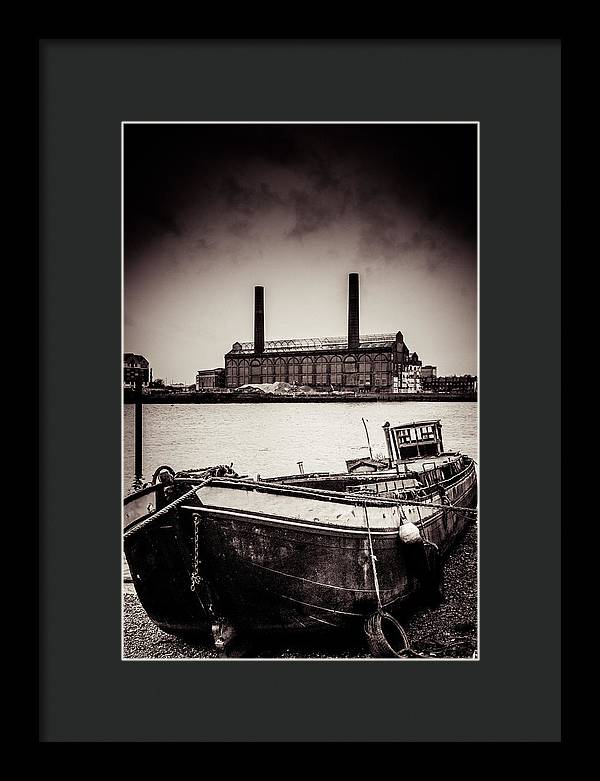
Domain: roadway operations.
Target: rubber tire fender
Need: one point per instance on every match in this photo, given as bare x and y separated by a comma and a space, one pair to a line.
385, 636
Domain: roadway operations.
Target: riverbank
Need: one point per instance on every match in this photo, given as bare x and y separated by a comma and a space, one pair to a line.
207, 397
448, 631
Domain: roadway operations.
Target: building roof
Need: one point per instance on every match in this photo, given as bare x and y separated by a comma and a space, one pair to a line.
139, 359
319, 343
417, 423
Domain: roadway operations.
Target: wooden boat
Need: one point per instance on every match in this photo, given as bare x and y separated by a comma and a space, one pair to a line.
212, 552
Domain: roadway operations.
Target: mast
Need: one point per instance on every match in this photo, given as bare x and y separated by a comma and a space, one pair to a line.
368, 440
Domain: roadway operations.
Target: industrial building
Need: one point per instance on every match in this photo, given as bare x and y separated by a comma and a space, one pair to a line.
376, 362
210, 378
465, 384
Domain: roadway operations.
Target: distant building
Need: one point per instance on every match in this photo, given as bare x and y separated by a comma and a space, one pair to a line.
135, 366
374, 362
179, 387
465, 383
428, 371
210, 378
410, 377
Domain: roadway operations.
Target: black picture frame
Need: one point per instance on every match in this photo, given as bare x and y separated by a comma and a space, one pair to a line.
87, 88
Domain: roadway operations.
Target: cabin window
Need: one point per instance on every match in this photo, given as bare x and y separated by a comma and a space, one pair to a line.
404, 436
409, 452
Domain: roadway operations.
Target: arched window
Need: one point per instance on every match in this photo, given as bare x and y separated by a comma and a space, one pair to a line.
336, 370
233, 372
382, 370
306, 371
256, 371
364, 371
294, 370
350, 371
321, 371
244, 372
269, 370
280, 370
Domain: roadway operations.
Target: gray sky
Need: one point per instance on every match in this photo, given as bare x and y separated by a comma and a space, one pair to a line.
211, 211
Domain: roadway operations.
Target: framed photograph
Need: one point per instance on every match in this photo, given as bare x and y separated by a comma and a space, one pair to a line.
310, 526
307, 274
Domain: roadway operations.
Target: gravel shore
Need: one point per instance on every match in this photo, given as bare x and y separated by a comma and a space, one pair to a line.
445, 632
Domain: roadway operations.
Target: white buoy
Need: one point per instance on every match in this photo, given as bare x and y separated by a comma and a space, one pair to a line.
409, 533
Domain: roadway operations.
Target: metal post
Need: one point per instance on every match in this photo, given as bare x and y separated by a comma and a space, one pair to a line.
386, 431
138, 427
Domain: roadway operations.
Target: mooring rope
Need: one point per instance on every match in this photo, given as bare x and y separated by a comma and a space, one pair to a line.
468, 512
160, 513
378, 643
412, 503
373, 560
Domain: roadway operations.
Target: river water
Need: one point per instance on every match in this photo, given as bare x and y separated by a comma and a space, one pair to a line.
270, 439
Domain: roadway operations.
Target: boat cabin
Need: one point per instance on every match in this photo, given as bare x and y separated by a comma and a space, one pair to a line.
413, 440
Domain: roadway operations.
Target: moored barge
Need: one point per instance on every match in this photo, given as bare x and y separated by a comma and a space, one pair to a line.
211, 552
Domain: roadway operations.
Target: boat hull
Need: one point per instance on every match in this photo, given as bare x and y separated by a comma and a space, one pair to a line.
273, 576
275, 573
160, 563
265, 564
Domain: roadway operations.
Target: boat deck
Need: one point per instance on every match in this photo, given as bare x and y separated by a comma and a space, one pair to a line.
415, 465
307, 501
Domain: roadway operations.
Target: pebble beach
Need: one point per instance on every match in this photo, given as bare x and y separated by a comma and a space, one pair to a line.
448, 631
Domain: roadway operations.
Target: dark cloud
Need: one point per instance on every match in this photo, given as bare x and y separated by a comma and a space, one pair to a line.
236, 196
372, 174
240, 228
322, 173
211, 210
153, 221
347, 199
248, 200
311, 215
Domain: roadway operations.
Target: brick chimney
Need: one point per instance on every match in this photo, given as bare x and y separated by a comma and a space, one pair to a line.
353, 312
259, 320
